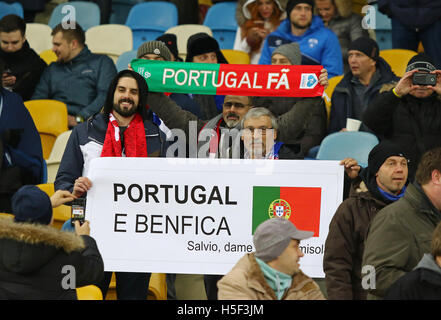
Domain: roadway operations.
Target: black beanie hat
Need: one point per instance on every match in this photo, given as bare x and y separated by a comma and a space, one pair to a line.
366, 45
31, 204
170, 41
421, 62
381, 152
292, 3
201, 43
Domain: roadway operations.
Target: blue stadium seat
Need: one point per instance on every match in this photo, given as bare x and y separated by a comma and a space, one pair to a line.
149, 20
383, 29
120, 10
348, 144
221, 18
124, 59
13, 8
87, 14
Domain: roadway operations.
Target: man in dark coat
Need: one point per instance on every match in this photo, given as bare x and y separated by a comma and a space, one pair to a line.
38, 261
369, 72
424, 282
381, 183
409, 114
24, 66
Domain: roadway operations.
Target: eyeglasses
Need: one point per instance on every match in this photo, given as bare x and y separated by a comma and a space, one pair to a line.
237, 105
253, 131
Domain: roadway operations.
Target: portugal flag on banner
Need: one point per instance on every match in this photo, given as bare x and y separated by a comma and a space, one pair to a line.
230, 79
299, 205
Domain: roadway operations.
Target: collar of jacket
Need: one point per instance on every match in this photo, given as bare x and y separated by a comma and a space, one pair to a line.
35, 234
257, 280
418, 199
18, 55
359, 189
83, 55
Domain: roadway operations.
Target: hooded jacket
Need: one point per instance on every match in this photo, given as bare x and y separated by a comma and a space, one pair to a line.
87, 139
81, 83
342, 100
318, 45
33, 258
423, 283
398, 237
347, 26
247, 282
27, 67
344, 245
411, 122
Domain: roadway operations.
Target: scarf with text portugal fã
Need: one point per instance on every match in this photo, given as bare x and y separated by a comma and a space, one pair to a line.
230, 79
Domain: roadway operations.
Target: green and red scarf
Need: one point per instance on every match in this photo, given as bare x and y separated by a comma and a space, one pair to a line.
230, 79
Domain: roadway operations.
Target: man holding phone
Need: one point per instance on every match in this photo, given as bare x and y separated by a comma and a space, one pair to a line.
409, 112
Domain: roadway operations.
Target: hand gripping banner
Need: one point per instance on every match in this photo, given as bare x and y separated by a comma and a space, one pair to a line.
230, 79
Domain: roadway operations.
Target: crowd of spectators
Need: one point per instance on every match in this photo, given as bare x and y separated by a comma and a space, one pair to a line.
387, 220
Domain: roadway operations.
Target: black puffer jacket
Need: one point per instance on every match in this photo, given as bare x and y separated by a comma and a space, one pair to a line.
32, 258
413, 123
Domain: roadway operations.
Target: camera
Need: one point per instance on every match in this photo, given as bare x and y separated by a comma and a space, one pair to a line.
78, 212
424, 79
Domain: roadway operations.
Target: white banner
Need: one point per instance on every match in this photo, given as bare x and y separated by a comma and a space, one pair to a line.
197, 216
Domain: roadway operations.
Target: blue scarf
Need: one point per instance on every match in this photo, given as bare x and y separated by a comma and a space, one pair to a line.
278, 281
392, 197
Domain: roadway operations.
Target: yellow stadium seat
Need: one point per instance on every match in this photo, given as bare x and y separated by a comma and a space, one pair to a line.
50, 118
157, 287
6, 215
61, 213
397, 59
328, 92
89, 293
110, 39
236, 56
48, 56
183, 32
53, 162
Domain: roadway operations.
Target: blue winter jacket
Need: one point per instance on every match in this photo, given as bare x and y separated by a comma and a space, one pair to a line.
81, 83
318, 45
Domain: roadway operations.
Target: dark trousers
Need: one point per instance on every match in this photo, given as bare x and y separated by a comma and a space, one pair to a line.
129, 285
210, 282
404, 37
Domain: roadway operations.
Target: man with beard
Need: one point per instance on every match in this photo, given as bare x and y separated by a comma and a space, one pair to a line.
318, 44
78, 78
125, 113
23, 65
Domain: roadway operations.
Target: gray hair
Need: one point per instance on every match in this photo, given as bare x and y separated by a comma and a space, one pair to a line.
258, 112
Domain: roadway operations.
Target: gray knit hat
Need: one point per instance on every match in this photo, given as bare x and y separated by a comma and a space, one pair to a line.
154, 47
291, 51
273, 236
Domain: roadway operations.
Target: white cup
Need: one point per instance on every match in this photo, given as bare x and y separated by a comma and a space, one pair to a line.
352, 124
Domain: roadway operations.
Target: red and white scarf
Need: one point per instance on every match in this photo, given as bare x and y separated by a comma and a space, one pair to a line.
134, 139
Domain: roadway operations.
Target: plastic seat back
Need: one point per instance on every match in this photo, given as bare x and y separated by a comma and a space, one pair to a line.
53, 162
221, 18
397, 59
48, 56
332, 83
349, 144
109, 39
39, 36
86, 14
12, 8
185, 31
50, 118
149, 20
90, 292
124, 59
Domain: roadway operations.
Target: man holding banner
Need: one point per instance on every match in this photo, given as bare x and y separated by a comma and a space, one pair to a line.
124, 128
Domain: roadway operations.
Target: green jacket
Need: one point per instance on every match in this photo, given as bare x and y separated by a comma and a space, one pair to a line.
398, 237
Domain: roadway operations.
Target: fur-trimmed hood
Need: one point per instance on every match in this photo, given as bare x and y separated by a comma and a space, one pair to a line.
343, 7
25, 247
